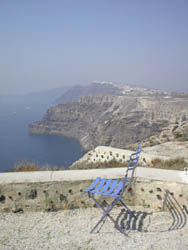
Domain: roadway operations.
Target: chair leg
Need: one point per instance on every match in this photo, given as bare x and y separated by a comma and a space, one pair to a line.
102, 218
106, 213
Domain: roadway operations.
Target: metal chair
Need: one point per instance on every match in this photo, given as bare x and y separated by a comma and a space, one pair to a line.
114, 189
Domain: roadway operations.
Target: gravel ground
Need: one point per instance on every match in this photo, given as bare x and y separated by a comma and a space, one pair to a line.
70, 230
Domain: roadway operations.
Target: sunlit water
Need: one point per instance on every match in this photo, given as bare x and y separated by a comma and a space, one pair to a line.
16, 144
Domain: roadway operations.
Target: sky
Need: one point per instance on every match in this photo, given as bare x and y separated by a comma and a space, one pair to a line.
51, 43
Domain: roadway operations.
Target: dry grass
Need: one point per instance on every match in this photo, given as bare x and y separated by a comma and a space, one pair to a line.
171, 164
97, 165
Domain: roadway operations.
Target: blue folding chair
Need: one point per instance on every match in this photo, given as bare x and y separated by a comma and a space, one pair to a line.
114, 189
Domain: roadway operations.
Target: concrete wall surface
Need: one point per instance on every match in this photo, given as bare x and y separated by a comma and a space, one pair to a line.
56, 190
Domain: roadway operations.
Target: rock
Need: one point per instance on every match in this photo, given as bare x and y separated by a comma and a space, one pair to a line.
32, 195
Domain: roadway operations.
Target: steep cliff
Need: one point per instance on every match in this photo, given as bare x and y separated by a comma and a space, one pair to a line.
115, 121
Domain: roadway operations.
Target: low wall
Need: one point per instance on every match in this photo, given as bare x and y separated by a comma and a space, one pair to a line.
56, 190
106, 154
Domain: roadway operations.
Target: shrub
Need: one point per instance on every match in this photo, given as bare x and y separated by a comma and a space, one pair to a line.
181, 136
26, 166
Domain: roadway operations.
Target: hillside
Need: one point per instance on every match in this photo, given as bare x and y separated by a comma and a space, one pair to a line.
106, 88
119, 120
74, 93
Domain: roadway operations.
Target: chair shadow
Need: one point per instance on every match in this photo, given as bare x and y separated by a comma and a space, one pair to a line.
178, 213
142, 221
139, 221
136, 221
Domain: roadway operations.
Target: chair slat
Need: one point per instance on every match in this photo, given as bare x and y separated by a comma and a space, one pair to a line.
111, 188
105, 187
93, 184
120, 186
98, 187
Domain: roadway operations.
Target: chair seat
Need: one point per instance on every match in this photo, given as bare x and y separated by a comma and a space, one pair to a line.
106, 187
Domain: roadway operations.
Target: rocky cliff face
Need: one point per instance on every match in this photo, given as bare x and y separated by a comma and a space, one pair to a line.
115, 121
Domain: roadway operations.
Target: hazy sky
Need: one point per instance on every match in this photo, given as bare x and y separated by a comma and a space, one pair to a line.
50, 43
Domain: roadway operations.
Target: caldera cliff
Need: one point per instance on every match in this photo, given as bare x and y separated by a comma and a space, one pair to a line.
116, 121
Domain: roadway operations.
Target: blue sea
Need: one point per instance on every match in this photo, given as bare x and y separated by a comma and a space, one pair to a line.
16, 144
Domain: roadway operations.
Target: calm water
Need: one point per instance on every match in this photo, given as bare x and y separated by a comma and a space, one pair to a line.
17, 145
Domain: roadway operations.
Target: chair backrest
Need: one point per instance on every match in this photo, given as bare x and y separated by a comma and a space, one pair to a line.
132, 164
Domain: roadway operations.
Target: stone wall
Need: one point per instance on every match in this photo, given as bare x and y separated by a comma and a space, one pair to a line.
56, 190
106, 154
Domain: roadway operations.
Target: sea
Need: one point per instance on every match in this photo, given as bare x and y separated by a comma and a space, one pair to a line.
17, 145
